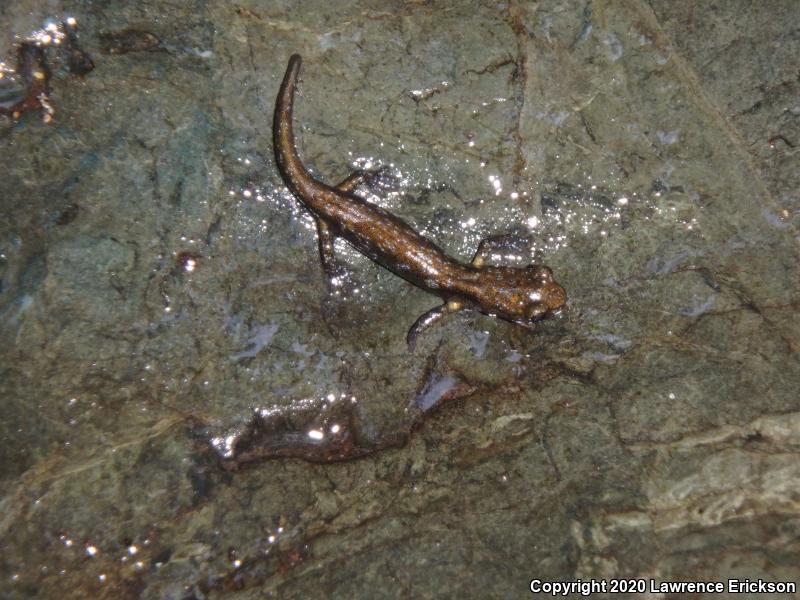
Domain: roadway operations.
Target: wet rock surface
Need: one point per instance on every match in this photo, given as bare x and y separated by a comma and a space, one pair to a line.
188, 412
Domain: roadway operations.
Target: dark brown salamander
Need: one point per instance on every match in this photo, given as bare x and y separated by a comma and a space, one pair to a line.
521, 295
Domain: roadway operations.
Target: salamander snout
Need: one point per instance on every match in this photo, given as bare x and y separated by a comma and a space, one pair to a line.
548, 299
545, 294
523, 296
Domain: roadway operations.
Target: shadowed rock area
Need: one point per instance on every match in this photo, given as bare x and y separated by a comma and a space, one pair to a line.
188, 412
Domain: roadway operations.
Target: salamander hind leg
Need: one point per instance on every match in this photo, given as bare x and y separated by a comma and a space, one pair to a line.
352, 181
333, 271
431, 317
357, 178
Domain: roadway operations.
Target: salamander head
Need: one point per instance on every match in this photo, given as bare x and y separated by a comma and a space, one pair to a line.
523, 296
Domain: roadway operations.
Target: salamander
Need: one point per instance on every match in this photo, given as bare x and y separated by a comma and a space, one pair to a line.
522, 295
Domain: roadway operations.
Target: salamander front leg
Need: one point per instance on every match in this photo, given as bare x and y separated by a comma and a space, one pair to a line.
429, 318
508, 242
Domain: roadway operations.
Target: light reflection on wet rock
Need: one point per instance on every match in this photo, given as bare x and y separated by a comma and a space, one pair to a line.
49, 50
317, 431
330, 429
